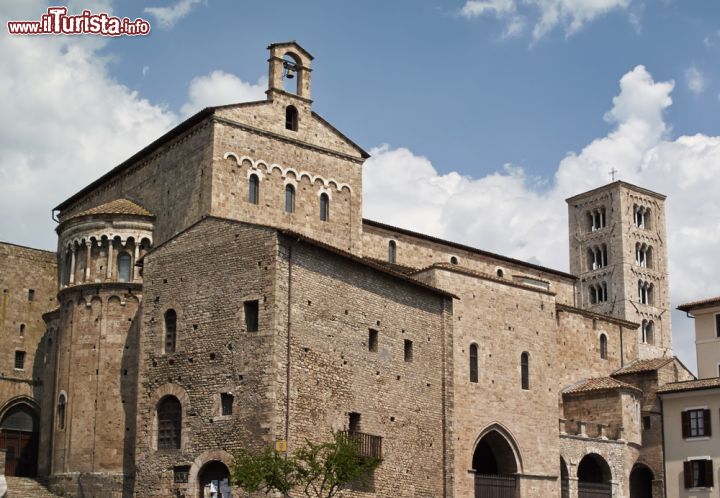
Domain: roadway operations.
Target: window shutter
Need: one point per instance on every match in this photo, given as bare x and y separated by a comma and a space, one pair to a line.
687, 472
708, 474
685, 424
706, 423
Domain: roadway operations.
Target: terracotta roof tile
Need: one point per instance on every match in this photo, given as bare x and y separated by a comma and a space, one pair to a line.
598, 384
690, 385
118, 206
703, 303
643, 366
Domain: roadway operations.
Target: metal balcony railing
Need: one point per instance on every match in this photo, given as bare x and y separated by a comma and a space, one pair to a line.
368, 446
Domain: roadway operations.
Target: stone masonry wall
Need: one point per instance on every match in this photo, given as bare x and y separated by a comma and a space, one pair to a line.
205, 275
418, 253
313, 159
334, 302
173, 182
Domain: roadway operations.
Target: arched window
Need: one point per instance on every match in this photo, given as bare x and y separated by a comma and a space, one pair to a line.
61, 412
22, 330
453, 260
170, 331
525, 370
593, 295
291, 118
324, 207
392, 251
603, 346
473, 363
289, 198
169, 423
123, 264
500, 273
254, 189
648, 332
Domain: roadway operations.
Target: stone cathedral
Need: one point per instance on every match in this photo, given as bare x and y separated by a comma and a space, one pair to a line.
220, 290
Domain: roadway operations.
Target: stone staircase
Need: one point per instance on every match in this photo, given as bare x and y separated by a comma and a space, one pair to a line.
25, 487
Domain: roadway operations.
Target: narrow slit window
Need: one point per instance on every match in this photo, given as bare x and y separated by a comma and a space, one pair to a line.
603, 346
252, 309
408, 351
473, 363
324, 207
392, 251
31, 294
289, 198
525, 371
254, 189
170, 331
61, 412
373, 340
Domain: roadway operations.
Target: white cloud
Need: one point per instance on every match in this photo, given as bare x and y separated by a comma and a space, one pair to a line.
219, 88
695, 79
571, 14
512, 213
169, 16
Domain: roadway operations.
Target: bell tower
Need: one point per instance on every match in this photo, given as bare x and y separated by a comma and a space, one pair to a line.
288, 61
618, 249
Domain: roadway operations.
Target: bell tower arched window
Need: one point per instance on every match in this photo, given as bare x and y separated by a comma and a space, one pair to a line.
291, 118
603, 346
61, 412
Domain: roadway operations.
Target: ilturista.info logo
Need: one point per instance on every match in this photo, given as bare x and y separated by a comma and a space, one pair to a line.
57, 21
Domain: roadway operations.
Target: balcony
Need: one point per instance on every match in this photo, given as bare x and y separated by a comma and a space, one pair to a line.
368, 446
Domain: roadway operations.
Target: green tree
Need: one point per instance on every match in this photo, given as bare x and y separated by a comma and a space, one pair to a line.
317, 470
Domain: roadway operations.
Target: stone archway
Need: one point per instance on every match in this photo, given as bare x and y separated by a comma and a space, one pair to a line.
641, 479
594, 477
214, 480
495, 465
19, 436
564, 479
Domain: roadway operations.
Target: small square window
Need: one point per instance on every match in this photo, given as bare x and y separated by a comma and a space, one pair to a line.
181, 473
251, 315
408, 351
226, 403
373, 340
31, 294
19, 360
646, 424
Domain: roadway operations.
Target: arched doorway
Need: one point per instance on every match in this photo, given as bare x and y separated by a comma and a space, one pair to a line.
641, 479
594, 477
19, 438
564, 479
214, 481
495, 465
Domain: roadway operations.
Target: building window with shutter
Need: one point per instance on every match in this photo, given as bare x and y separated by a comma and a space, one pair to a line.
696, 423
698, 474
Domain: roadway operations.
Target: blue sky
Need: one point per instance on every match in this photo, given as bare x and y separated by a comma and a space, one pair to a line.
421, 75
482, 116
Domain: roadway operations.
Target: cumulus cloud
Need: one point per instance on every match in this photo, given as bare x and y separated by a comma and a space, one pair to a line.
168, 16
219, 88
695, 79
571, 14
513, 213
67, 121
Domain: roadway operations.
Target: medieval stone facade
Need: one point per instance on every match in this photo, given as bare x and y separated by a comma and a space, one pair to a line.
220, 291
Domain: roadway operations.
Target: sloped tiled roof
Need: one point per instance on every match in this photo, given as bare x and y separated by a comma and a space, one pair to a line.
690, 385
643, 366
703, 303
118, 206
598, 384
405, 270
